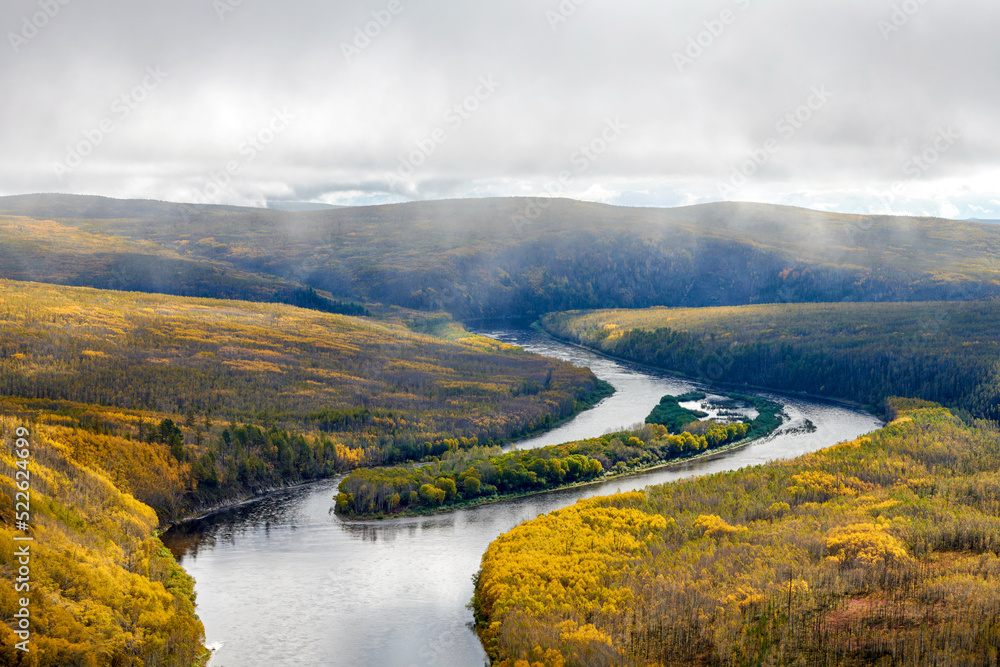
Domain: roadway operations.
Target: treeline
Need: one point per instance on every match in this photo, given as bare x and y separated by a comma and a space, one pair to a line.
864, 352
489, 474
465, 476
669, 412
102, 589
883, 550
182, 467
246, 460
308, 298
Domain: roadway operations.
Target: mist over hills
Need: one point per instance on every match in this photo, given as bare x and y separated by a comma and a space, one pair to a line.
505, 257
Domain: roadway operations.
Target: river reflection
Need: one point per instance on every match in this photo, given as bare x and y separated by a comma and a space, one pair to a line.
283, 581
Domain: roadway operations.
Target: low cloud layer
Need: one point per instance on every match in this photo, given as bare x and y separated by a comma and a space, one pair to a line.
854, 105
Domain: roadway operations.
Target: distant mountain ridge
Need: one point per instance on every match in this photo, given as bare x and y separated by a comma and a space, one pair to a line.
299, 206
500, 257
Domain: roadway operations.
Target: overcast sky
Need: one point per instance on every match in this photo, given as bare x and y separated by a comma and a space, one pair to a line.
851, 105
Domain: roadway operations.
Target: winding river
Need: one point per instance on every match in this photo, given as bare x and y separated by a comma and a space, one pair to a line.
283, 581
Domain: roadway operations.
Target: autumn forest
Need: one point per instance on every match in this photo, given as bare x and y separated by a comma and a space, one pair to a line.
170, 360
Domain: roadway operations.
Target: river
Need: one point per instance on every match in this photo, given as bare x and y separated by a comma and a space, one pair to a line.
283, 581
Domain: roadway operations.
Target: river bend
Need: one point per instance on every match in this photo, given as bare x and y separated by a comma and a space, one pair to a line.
283, 581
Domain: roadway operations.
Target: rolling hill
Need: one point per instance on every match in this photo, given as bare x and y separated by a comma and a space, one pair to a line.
491, 258
258, 395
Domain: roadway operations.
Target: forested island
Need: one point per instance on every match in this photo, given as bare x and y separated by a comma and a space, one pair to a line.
471, 477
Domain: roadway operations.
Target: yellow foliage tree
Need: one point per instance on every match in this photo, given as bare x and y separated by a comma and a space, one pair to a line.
864, 544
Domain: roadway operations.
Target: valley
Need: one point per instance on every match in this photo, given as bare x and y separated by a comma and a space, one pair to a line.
195, 357
345, 572
500, 334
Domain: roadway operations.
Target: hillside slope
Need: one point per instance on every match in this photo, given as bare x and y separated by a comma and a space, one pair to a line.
101, 589
258, 395
946, 352
502, 257
878, 551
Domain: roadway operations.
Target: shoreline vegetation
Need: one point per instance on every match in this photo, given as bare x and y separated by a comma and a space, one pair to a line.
481, 476
702, 377
880, 549
944, 352
478, 502
102, 587
603, 391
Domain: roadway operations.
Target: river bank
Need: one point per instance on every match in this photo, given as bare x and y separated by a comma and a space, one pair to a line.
540, 329
283, 581
391, 492
479, 502
601, 391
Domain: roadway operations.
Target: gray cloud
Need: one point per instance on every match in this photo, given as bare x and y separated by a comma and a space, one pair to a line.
702, 87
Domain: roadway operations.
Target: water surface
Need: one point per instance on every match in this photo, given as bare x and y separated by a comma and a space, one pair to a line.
283, 581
